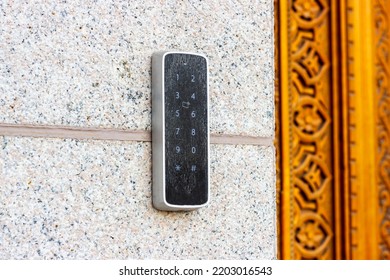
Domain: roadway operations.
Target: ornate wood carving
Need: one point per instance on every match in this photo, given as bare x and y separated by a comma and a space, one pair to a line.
382, 56
352, 193
360, 130
333, 129
306, 135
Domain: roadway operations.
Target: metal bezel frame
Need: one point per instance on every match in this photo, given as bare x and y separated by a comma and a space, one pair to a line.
158, 134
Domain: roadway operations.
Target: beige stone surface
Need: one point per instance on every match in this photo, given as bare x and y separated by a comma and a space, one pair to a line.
74, 199
88, 63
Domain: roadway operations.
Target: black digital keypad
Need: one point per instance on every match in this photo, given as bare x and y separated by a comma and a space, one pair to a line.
186, 129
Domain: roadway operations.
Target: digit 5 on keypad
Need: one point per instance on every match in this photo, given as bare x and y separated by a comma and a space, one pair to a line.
180, 131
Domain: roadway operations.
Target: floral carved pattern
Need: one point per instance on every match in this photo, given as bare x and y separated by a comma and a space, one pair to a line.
310, 104
382, 40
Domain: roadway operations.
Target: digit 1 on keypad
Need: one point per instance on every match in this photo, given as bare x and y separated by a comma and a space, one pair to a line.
180, 131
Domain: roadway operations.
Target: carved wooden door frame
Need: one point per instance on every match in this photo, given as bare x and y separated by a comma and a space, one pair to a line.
333, 128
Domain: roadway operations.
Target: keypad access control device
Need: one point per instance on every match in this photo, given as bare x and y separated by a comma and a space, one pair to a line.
180, 131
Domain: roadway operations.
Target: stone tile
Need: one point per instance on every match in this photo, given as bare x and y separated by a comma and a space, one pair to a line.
87, 63
72, 199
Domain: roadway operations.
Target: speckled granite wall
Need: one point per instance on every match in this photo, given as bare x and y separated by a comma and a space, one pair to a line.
87, 65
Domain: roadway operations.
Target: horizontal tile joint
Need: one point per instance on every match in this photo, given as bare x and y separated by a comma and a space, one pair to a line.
43, 131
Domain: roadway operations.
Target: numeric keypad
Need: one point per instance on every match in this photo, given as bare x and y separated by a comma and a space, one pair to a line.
186, 132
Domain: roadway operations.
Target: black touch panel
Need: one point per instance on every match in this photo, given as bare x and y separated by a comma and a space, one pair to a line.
186, 129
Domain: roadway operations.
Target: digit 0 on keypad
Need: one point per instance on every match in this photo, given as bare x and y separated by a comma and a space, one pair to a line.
180, 131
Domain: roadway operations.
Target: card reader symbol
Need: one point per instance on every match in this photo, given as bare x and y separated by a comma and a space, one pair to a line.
186, 104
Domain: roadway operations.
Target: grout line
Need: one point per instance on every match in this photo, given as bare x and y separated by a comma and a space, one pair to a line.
42, 131
241, 140
74, 132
